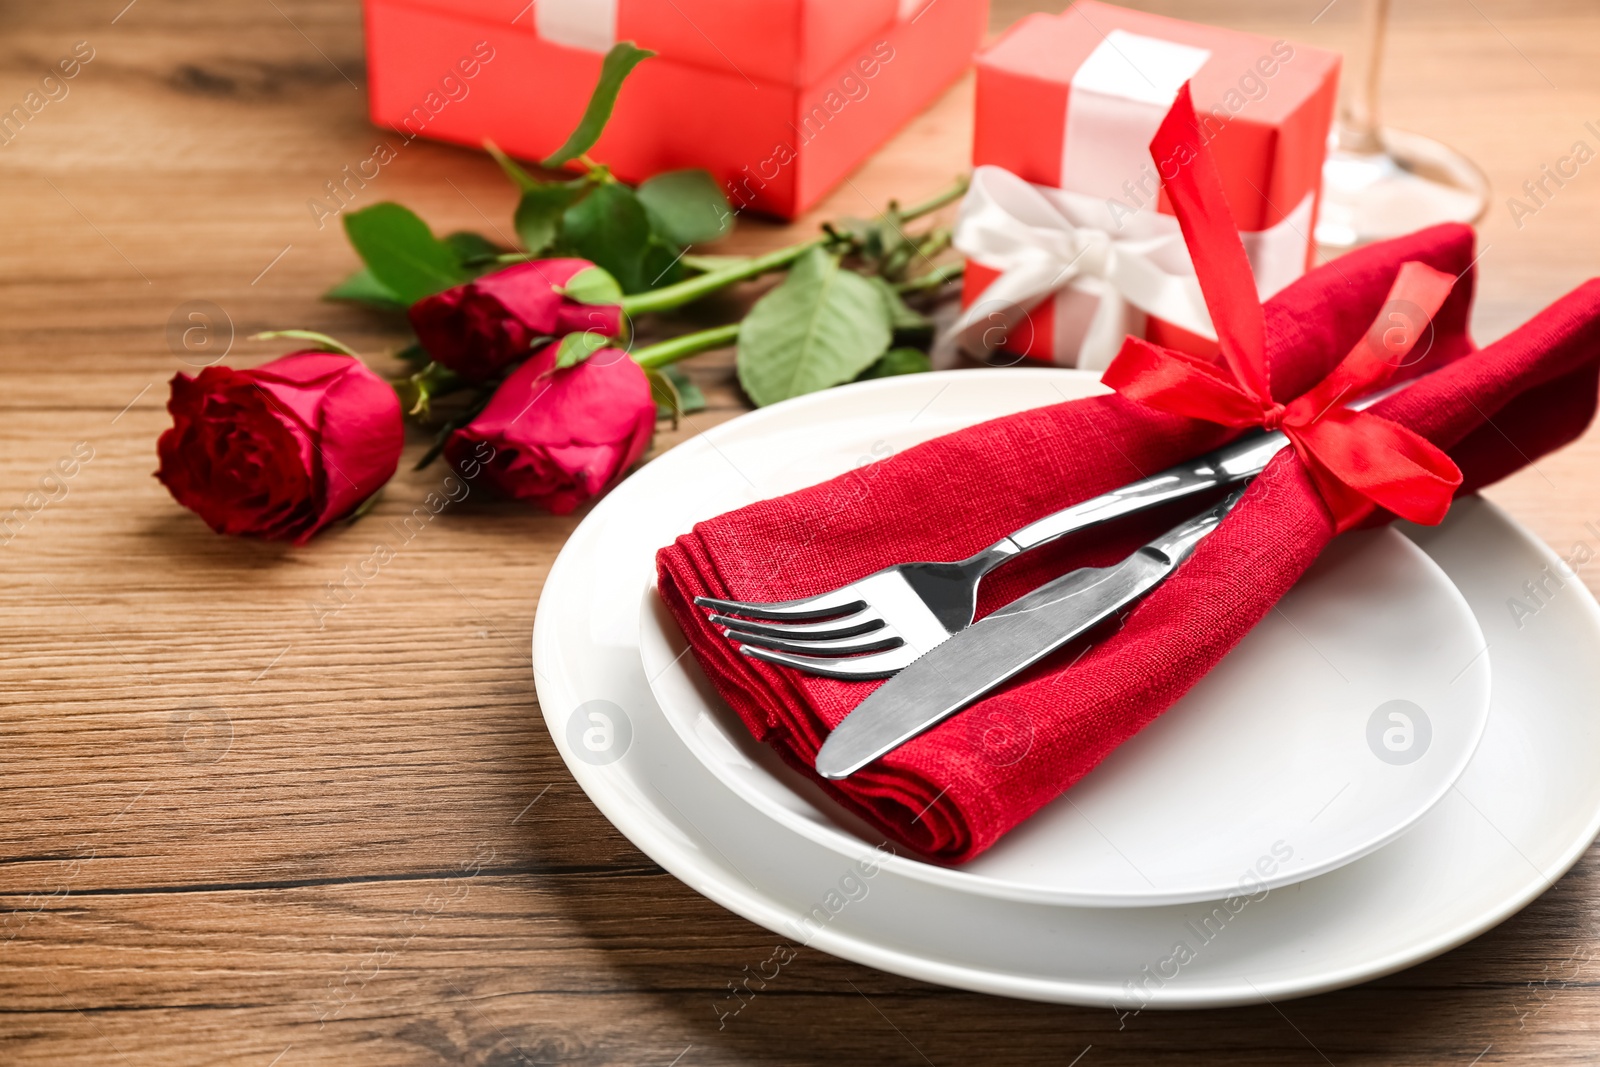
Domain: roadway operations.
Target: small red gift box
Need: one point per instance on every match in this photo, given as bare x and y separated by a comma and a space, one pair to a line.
1070, 102
779, 100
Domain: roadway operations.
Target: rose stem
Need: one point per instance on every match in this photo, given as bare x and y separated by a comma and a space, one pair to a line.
946, 272
670, 351
954, 191
676, 295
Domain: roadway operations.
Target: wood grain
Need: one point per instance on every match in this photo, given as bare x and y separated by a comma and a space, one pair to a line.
240, 828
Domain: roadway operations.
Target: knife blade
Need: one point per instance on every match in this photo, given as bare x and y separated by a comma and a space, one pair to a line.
1004, 643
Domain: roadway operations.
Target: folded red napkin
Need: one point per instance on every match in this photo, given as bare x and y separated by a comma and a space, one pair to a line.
953, 791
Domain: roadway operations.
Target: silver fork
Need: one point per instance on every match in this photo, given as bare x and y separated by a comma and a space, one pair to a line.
876, 625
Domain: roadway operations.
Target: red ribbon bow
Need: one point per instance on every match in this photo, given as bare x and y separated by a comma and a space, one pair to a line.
1358, 461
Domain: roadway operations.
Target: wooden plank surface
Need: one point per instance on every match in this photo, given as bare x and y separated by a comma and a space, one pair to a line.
225, 807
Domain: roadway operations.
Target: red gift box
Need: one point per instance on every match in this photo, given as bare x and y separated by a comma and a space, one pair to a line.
1070, 102
779, 101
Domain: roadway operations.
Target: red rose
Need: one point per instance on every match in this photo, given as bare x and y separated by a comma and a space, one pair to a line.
480, 328
282, 450
559, 437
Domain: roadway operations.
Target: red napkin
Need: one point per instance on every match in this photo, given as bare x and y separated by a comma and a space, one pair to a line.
953, 791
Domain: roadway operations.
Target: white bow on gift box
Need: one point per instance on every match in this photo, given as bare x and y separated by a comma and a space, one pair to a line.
1106, 270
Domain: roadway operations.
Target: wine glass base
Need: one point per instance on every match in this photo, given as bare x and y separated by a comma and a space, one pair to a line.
1411, 182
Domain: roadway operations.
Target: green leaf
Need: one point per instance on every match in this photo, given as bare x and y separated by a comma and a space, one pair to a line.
898, 361
592, 285
618, 64
689, 205
362, 288
323, 342
402, 253
901, 315
474, 251
414, 353
689, 394
661, 264
519, 177
664, 391
610, 229
538, 216
577, 347
822, 326
674, 392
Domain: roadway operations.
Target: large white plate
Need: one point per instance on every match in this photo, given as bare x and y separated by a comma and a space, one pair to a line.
1521, 814
1354, 706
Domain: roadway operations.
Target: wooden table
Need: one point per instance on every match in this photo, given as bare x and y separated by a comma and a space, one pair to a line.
223, 820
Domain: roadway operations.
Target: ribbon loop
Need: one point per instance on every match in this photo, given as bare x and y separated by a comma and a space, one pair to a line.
1358, 461
1045, 241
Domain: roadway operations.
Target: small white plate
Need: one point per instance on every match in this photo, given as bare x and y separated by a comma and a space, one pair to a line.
1524, 811
1352, 707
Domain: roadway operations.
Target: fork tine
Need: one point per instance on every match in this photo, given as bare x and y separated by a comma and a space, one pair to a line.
838, 602
877, 641
846, 626
850, 668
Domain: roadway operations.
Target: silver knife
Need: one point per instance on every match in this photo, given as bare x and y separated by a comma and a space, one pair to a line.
1003, 644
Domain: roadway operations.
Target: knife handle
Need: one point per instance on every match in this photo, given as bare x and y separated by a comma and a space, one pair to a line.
1154, 561
1178, 543
1233, 462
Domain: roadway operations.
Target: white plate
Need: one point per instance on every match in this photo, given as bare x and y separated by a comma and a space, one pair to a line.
1354, 707
1526, 807
1174, 815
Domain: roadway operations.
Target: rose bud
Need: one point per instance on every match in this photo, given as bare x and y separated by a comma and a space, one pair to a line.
480, 328
557, 437
282, 450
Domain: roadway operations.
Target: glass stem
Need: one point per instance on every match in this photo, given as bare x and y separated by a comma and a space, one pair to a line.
1358, 117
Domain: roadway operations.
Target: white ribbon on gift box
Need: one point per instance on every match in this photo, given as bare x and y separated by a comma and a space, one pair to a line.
587, 24
592, 24
1042, 242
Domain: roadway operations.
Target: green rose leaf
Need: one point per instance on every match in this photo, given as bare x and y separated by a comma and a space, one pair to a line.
674, 392
901, 315
618, 64
592, 285
689, 394
538, 216
661, 264
577, 347
321, 342
611, 229
402, 253
474, 251
664, 391
822, 326
689, 206
898, 361
414, 353
362, 288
